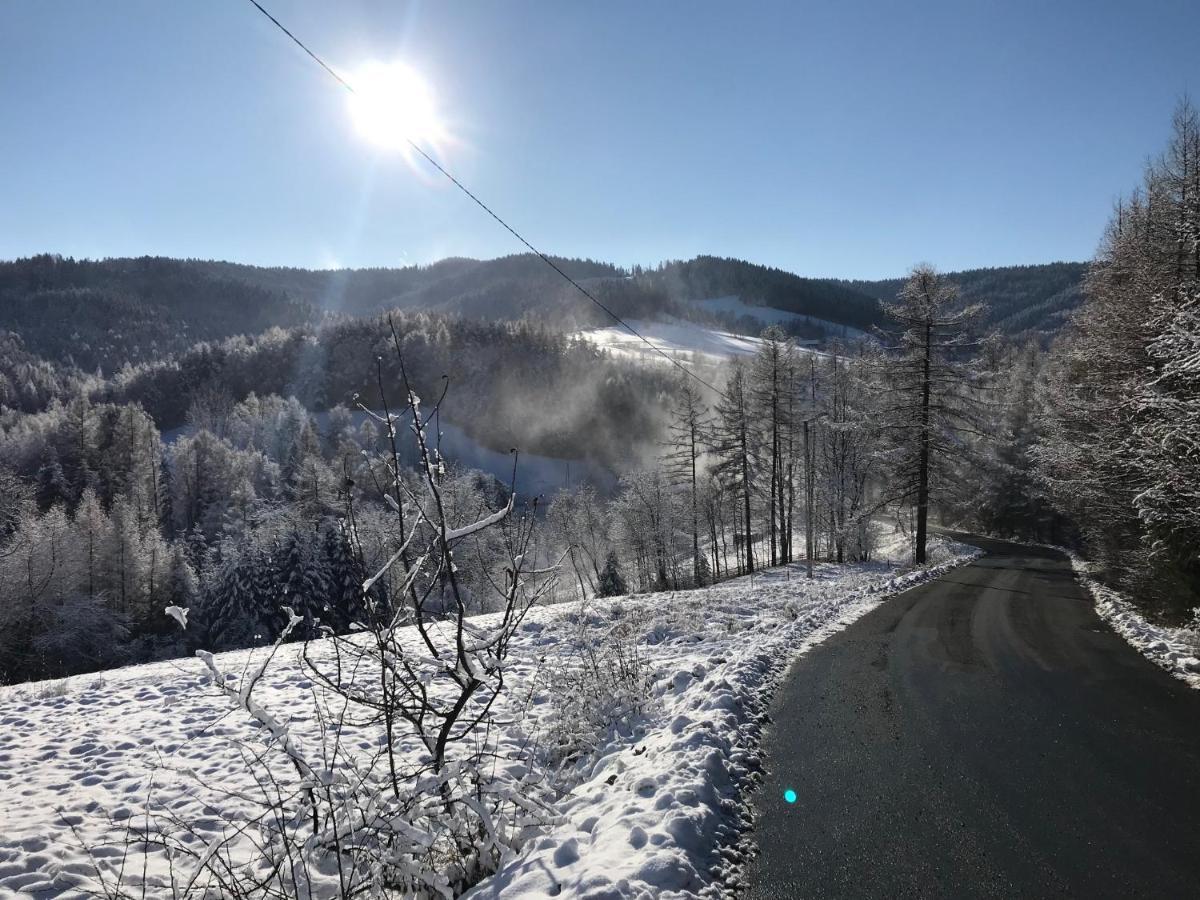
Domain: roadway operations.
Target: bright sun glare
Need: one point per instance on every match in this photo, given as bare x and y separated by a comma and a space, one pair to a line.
392, 105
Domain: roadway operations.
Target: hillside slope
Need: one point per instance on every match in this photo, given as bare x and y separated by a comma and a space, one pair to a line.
109, 312
1022, 300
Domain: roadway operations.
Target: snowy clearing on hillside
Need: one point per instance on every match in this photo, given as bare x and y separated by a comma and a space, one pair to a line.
685, 341
1175, 649
769, 315
650, 803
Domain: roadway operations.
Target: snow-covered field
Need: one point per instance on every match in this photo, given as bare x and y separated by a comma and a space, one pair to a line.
655, 809
686, 341
1175, 649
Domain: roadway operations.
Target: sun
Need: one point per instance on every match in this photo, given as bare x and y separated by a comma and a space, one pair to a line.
393, 106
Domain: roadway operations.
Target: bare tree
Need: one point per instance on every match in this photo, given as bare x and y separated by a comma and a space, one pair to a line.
688, 429
731, 445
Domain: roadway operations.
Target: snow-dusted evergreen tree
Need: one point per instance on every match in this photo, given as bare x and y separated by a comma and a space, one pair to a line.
91, 532
302, 579
611, 583
241, 606
179, 587
52, 486
927, 409
16, 505
1010, 499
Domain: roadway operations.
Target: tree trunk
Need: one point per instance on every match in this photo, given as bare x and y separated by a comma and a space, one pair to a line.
923, 461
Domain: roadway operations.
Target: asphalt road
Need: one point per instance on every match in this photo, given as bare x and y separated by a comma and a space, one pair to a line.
982, 735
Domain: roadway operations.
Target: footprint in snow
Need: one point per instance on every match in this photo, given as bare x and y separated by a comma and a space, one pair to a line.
567, 853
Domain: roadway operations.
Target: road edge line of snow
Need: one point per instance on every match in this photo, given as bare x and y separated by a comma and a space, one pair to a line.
1157, 644
742, 849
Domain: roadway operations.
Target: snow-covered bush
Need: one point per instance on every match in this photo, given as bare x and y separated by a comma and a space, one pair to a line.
603, 682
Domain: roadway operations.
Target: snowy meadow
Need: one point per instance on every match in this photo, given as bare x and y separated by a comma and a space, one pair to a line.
625, 743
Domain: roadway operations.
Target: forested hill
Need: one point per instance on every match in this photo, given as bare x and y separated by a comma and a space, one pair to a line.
1022, 300
504, 288
710, 276
103, 314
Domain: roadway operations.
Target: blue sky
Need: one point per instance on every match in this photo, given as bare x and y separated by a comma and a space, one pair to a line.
844, 139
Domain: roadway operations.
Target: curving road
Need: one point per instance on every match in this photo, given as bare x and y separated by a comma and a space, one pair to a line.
982, 735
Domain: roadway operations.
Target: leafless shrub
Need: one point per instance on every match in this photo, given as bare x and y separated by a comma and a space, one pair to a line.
434, 803
602, 683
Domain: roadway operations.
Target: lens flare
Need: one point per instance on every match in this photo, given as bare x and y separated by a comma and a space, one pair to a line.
392, 105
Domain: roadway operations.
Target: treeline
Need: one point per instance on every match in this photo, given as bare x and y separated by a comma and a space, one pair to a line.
1118, 424
502, 288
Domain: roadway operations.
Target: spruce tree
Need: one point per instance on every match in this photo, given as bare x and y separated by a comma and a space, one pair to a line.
612, 584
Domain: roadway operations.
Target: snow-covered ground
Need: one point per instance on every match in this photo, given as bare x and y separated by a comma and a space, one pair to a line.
682, 340
655, 809
685, 341
1175, 649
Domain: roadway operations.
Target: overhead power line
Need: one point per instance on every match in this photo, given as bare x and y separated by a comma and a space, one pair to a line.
487, 209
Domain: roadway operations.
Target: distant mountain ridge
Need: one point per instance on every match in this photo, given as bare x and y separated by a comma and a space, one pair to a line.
106, 313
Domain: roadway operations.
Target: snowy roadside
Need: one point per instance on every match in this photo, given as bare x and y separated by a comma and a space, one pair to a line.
659, 809
651, 806
1174, 649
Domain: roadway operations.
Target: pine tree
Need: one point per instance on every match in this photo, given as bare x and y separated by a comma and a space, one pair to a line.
927, 379
344, 602
52, 486
611, 583
302, 578
241, 605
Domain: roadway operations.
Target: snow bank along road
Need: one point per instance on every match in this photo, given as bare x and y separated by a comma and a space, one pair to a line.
984, 734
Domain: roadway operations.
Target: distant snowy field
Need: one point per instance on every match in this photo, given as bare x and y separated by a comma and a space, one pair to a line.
654, 811
685, 341
698, 344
